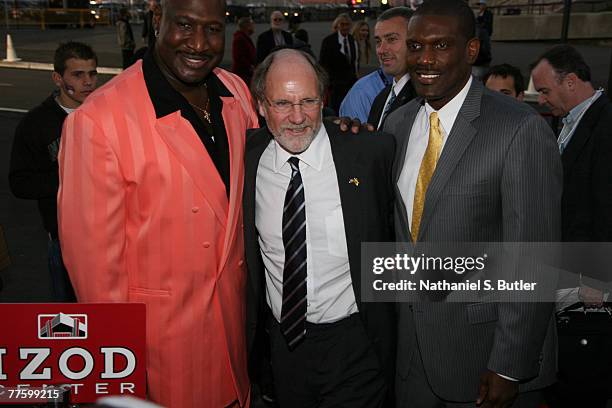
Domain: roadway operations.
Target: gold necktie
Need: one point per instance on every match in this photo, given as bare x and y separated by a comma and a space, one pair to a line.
428, 165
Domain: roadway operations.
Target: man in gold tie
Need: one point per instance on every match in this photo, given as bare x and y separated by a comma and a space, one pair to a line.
473, 166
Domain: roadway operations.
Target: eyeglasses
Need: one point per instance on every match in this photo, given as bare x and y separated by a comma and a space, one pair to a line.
277, 19
307, 104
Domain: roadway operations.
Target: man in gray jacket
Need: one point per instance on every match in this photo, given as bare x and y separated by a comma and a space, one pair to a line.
472, 166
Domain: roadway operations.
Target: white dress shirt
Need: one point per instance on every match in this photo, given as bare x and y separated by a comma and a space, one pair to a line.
397, 88
417, 144
329, 287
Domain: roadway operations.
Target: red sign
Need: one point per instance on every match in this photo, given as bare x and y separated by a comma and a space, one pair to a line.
95, 349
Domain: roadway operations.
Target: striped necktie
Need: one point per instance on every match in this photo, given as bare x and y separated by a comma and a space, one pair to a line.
428, 165
293, 312
387, 109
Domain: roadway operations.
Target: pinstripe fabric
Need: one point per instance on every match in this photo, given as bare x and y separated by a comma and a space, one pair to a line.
144, 217
498, 179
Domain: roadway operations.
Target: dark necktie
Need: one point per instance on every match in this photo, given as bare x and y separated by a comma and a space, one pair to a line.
347, 50
293, 312
388, 106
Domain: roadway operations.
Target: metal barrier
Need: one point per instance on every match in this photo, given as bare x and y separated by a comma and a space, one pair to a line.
54, 17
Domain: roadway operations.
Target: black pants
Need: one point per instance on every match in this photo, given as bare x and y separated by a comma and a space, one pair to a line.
334, 366
127, 58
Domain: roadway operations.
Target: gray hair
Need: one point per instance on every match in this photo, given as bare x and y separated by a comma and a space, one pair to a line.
341, 16
258, 83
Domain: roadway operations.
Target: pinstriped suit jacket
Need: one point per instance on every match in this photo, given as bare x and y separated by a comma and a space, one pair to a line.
144, 217
498, 178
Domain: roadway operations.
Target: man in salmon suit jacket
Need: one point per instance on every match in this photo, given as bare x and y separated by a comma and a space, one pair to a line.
150, 206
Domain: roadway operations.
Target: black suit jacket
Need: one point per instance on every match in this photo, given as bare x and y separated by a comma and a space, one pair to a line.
339, 69
368, 217
587, 180
265, 43
406, 95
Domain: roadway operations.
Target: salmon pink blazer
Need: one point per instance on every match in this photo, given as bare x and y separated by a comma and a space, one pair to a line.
144, 217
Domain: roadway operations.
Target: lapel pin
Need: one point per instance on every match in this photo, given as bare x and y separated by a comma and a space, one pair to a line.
354, 181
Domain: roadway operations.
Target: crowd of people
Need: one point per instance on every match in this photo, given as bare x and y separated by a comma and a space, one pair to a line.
229, 206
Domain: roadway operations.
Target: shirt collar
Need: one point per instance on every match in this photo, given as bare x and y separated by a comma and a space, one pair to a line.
399, 85
575, 113
164, 97
342, 37
448, 113
313, 156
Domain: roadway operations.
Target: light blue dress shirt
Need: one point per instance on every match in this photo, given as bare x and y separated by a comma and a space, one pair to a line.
359, 99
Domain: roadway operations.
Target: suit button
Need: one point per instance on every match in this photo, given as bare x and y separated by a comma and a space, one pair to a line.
206, 244
240, 262
195, 209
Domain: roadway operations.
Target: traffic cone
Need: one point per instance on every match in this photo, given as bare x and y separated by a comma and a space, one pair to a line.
11, 55
531, 94
531, 88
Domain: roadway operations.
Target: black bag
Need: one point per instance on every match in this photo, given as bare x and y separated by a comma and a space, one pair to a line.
585, 350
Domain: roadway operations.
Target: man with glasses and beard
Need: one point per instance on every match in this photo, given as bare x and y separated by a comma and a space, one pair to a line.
307, 187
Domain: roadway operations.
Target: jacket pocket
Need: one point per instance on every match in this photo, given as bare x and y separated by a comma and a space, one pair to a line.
478, 313
148, 292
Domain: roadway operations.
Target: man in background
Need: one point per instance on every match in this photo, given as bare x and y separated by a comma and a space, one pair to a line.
506, 79
563, 79
125, 38
274, 37
148, 23
244, 55
33, 170
338, 56
391, 49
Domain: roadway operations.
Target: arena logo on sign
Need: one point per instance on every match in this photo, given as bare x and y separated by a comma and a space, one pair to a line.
62, 326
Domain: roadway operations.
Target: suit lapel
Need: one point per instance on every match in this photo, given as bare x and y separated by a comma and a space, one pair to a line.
405, 95
348, 167
582, 134
458, 140
378, 105
183, 141
402, 135
255, 148
235, 139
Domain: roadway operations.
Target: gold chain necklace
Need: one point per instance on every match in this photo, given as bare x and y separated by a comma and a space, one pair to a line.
205, 111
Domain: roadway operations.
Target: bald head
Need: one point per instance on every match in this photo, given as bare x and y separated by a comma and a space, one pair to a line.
287, 57
288, 87
291, 63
